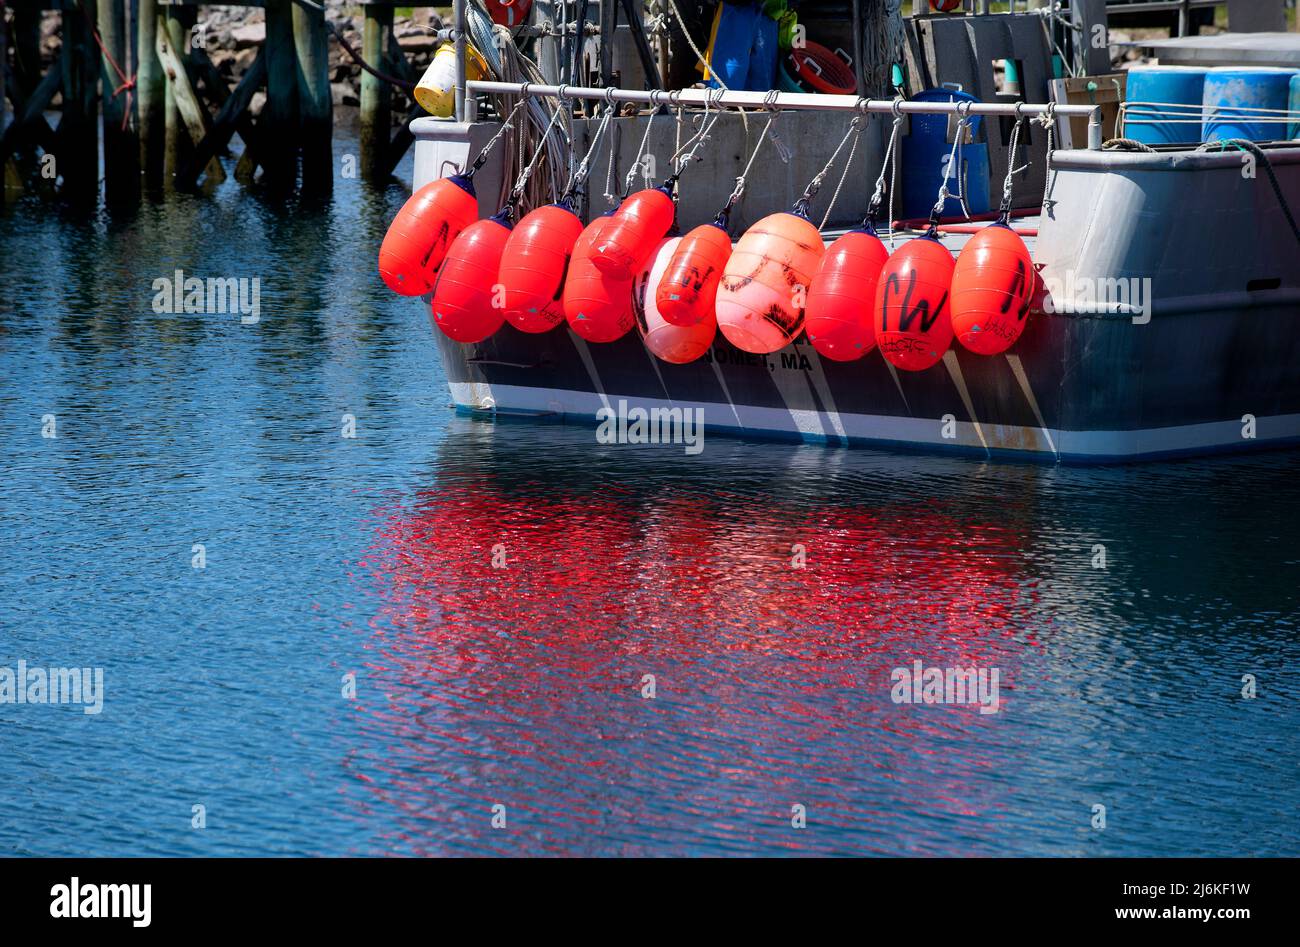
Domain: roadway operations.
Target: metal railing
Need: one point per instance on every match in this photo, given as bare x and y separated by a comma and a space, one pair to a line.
797, 101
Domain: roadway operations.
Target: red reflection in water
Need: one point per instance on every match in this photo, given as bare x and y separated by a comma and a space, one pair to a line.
522, 684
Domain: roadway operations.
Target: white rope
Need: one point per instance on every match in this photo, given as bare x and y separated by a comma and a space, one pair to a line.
739, 190
1048, 121
888, 165
815, 185
848, 163
679, 161
952, 168
645, 138
584, 167
518, 191
1011, 165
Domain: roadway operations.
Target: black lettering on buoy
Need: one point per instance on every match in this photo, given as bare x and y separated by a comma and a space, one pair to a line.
908, 314
1017, 291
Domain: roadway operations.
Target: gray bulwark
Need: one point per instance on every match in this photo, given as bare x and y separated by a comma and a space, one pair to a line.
1227, 49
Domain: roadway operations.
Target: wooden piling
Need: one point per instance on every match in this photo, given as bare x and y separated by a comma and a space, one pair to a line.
376, 94
279, 119
27, 48
121, 152
174, 29
315, 101
151, 96
76, 152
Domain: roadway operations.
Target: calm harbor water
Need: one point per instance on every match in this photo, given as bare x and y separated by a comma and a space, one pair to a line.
521, 687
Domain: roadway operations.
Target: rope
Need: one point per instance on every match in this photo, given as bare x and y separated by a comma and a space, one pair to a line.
1126, 144
1244, 144
815, 185
848, 163
611, 192
491, 142
888, 165
1048, 120
769, 102
524, 175
636, 161
679, 161
952, 168
1005, 207
580, 175
126, 83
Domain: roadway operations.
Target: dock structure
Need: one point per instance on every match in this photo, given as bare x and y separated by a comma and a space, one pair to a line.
135, 74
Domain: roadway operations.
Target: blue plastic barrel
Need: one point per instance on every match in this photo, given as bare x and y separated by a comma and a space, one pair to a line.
1231, 95
1294, 130
1164, 104
925, 151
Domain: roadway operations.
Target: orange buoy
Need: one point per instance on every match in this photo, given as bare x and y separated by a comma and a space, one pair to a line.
686, 294
765, 283
912, 299
992, 286
464, 307
597, 305
418, 238
638, 225
533, 265
666, 341
839, 318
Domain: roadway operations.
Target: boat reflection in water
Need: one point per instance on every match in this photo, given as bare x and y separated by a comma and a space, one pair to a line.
530, 595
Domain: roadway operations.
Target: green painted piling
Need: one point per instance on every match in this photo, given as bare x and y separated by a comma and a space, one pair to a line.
376, 94
279, 119
121, 152
76, 151
315, 102
151, 95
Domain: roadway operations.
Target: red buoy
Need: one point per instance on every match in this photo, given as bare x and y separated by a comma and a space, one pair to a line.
639, 224
597, 305
839, 318
992, 286
418, 238
689, 287
765, 283
464, 307
533, 265
671, 343
509, 12
912, 299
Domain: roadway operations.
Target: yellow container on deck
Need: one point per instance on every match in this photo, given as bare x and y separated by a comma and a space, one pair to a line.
434, 91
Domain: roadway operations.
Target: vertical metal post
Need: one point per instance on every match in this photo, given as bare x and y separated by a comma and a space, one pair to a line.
458, 26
